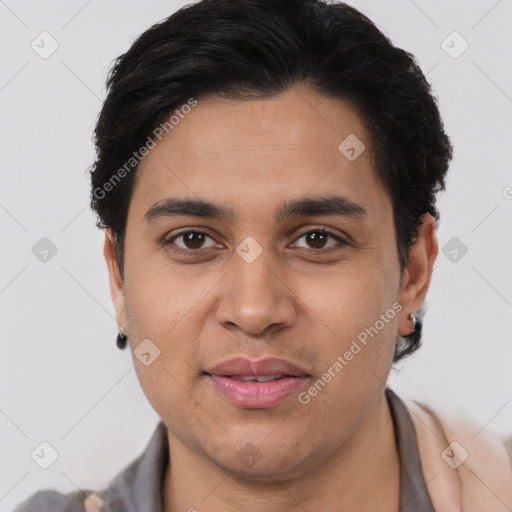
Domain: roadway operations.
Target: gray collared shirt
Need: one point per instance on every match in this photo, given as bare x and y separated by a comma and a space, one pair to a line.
138, 487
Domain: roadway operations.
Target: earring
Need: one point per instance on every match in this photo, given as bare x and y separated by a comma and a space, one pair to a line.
415, 322
121, 339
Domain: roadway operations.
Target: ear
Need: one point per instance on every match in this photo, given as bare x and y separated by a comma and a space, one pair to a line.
417, 274
116, 281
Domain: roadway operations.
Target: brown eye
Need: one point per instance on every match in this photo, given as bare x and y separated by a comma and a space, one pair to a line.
191, 240
317, 239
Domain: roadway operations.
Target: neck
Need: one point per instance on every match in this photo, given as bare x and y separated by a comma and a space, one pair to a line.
364, 474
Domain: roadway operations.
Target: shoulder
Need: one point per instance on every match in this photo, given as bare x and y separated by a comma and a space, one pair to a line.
465, 467
54, 501
134, 488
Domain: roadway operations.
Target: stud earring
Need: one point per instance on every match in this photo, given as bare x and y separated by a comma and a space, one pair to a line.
121, 339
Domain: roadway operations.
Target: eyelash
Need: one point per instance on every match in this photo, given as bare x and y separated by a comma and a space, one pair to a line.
169, 242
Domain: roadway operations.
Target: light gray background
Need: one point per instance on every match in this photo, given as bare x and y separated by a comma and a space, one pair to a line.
62, 378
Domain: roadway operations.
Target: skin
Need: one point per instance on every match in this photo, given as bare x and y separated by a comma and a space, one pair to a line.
295, 301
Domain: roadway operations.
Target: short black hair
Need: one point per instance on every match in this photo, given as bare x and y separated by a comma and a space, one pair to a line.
249, 49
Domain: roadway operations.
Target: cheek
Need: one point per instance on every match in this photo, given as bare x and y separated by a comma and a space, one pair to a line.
356, 355
165, 311
357, 314
173, 400
160, 297
351, 300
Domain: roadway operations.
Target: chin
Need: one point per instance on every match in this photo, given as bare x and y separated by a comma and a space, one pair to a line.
270, 463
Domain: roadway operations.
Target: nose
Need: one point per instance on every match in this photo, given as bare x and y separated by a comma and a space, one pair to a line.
255, 296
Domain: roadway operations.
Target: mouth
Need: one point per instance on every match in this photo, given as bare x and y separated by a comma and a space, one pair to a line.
257, 378
256, 384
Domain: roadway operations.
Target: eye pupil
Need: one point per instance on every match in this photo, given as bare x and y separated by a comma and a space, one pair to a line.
194, 238
317, 239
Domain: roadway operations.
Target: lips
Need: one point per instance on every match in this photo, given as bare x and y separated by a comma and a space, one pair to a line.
256, 384
243, 367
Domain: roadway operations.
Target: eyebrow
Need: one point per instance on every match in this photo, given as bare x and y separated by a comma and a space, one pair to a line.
308, 206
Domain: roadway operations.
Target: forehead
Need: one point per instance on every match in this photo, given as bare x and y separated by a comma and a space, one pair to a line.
246, 153
298, 120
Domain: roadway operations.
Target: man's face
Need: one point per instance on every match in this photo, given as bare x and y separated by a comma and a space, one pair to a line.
256, 286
